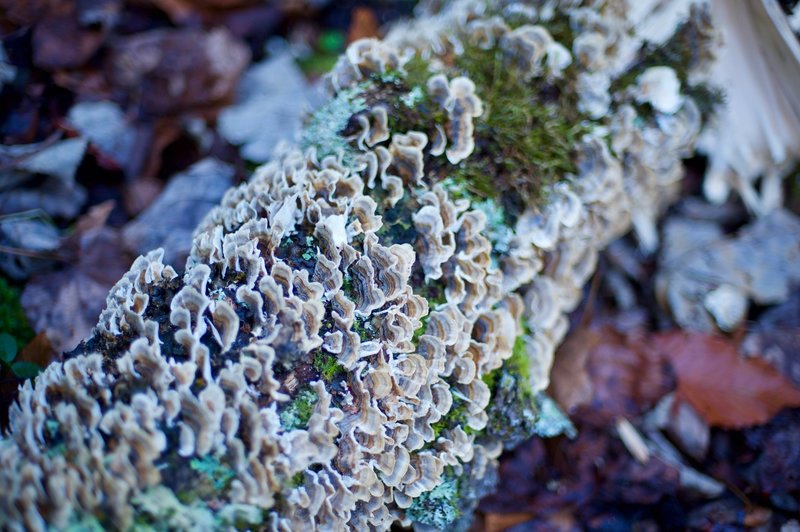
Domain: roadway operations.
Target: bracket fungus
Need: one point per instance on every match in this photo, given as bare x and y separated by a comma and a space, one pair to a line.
349, 318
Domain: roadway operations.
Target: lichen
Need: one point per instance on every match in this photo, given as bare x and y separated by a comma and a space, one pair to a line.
551, 421
437, 508
214, 470
513, 412
325, 126
297, 413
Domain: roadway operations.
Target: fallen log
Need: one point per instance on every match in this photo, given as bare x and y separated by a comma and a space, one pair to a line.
364, 325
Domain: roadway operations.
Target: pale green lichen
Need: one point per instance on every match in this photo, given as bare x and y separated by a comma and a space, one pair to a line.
297, 413
215, 471
551, 421
325, 126
499, 233
413, 97
437, 508
158, 509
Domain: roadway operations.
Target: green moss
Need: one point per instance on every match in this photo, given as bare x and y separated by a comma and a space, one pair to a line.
297, 413
328, 366
397, 224
513, 408
405, 93
296, 480
363, 327
437, 508
12, 317
518, 364
456, 416
526, 136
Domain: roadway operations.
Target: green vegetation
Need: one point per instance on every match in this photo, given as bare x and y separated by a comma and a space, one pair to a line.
12, 317
437, 508
8, 354
457, 416
327, 49
328, 366
297, 413
526, 136
363, 328
518, 364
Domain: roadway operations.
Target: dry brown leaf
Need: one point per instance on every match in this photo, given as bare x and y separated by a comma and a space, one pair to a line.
38, 351
493, 522
726, 389
170, 71
363, 24
570, 384
612, 373
65, 303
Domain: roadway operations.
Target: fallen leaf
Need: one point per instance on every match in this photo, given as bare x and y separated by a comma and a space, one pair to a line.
272, 92
66, 303
171, 219
776, 468
613, 374
775, 337
140, 194
706, 280
39, 351
726, 389
29, 241
104, 124
494, 522
55, 190
363, 24
570, 384
170, 71
64, 39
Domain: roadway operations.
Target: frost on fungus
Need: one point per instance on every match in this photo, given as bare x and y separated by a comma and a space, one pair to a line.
349, 317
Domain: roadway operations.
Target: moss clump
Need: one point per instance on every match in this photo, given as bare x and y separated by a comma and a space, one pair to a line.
526, 137
513, 409
518, 364
457, 416
12, 317
364, 328
327, 366
297, 413
397, 225
437, 508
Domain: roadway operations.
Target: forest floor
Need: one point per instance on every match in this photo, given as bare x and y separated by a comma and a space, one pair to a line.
117, 115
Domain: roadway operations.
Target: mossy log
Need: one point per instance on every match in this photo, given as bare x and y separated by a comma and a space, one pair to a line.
364, 324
